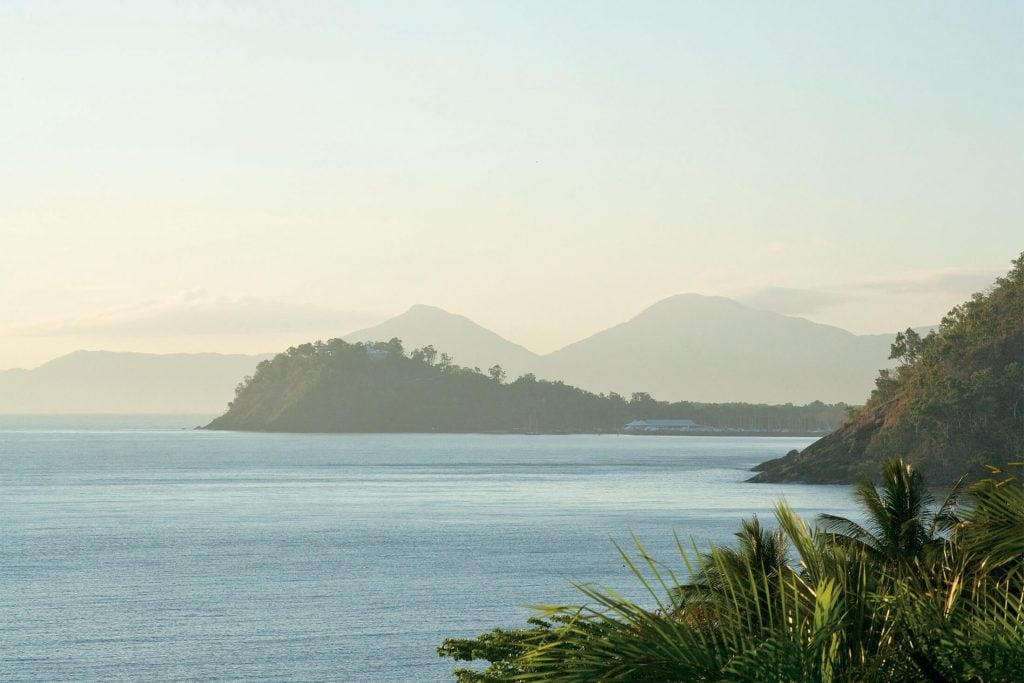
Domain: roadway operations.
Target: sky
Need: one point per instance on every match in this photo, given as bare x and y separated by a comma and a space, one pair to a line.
244, 176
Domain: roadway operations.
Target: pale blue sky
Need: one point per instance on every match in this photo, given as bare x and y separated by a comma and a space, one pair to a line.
547, 168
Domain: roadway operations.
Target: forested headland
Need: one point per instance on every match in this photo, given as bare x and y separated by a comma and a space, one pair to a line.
335, 386
954, 404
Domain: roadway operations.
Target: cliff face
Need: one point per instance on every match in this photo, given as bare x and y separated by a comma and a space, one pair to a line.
833, 459
954, 405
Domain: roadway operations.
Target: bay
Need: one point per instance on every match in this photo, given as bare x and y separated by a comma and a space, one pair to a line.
135, 548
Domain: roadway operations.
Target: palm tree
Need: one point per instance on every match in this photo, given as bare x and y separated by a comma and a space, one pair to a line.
902, 524
804, 603
966, 614
759, 550
993, 533
749, 616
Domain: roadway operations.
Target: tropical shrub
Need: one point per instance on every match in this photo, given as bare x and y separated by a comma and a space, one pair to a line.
920, 592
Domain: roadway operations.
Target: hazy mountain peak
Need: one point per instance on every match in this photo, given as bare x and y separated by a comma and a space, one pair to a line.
692, 302
427, 309
720, 311
683, 297
711, 348
468, 343
427, 312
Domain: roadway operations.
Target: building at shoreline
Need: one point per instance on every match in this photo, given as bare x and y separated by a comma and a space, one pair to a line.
661, 426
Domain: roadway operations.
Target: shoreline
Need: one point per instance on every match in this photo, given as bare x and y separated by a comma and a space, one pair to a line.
716, 433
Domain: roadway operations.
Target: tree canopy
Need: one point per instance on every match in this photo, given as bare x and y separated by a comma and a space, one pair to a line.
335, 386
953, 404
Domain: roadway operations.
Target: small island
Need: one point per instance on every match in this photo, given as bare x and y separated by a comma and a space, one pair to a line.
378, 387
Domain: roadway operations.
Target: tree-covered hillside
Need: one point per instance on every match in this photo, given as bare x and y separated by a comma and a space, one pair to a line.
954, 404
378, 387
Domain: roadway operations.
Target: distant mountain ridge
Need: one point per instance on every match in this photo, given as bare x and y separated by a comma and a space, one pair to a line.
470, 344
714, 349
118, 382
686, 347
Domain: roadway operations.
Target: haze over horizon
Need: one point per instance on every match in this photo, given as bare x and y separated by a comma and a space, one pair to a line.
375, 323
239, 178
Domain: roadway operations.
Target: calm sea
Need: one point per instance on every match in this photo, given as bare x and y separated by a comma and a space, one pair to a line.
138, 549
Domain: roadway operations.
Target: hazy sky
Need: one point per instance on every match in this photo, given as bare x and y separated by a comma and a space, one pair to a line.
242, 176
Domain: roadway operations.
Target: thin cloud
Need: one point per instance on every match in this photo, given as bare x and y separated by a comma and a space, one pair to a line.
957, 284
955, 281
195, 313
792, 301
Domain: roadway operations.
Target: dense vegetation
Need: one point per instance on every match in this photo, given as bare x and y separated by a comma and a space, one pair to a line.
919, 592
954, 403
378, 387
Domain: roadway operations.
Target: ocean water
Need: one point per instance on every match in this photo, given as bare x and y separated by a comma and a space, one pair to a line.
138, 549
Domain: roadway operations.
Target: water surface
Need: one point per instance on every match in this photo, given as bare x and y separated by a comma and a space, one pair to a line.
131, 548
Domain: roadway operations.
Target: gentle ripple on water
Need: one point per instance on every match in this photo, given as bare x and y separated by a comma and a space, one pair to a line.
131, 549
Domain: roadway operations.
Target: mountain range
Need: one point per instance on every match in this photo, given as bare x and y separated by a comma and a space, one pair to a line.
117, 382
687, 347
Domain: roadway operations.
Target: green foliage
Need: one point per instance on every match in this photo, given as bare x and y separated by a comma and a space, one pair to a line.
496, 373
804, 604
341, 387
954, 402
960, 391
907, 347
903, 524
503, 649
